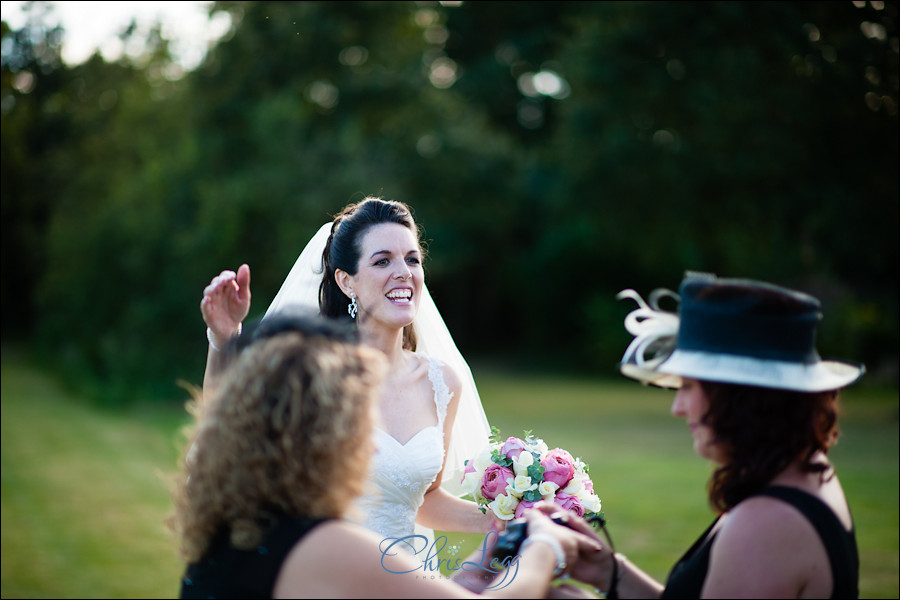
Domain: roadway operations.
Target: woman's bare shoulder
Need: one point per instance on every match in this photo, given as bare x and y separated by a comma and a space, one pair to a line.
342, 559
765, 548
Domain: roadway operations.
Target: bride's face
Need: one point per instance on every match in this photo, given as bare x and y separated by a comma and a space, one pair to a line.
390, 277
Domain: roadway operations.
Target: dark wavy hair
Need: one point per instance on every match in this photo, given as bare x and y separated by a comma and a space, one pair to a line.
344, 247
763, 431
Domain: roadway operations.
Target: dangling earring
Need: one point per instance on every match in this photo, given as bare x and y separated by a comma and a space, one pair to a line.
353, 307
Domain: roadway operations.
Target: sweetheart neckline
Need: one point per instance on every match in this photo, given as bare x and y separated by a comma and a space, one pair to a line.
414, 436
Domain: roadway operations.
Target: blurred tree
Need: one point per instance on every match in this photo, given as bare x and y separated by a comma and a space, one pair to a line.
728, 137
33, 129
556, 153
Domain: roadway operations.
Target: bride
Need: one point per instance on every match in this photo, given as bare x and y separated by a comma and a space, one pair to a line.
366, 265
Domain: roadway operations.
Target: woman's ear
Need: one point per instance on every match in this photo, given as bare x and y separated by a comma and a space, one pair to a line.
344, 281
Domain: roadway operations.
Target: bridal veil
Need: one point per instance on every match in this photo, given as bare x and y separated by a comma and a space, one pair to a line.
470, 431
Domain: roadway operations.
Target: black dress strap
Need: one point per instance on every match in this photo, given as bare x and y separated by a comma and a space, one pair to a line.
686, 578
839, 543
689, 573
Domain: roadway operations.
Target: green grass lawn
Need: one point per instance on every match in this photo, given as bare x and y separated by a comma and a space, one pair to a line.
84, 494
653, 486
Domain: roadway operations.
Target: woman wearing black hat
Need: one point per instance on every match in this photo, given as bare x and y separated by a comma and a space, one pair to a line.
762, 405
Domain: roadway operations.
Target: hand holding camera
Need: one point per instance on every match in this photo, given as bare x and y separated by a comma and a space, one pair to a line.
510, 541
549, 526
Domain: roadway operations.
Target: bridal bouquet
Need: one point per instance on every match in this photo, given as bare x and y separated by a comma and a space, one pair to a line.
513, 475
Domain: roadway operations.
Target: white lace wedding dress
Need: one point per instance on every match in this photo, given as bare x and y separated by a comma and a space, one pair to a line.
402, 473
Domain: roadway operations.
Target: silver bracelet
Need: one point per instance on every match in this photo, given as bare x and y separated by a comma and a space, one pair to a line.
554, 545
209, 337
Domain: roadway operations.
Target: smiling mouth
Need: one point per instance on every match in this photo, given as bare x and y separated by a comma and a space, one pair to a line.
400, 296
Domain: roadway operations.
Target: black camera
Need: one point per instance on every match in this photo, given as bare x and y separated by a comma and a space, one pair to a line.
509, 542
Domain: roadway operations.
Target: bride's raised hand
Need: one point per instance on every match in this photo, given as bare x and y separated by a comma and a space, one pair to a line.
226, 303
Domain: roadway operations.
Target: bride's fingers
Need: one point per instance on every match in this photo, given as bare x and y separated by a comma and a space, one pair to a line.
243, 281
226, 290
222, 298
219, 282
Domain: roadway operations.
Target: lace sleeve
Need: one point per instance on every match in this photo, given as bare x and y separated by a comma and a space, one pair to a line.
442, 393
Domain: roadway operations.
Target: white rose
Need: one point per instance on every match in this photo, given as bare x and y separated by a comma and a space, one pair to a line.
511, 491
583, 495
590, 502
575, 486
522, 484
472, 483
541, 447
547, 489
522, 462
504, 506
483, 460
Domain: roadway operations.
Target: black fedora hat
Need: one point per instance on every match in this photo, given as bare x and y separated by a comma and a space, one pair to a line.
732, 331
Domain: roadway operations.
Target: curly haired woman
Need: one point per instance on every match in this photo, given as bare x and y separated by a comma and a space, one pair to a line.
279, 454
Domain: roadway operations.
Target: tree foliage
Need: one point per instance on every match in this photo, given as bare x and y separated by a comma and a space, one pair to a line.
555, 152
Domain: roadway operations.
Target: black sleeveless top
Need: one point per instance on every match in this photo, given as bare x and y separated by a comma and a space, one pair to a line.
228, 572
687, 576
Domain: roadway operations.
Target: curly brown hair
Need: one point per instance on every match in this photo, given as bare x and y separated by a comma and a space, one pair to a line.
763, 431
288, 433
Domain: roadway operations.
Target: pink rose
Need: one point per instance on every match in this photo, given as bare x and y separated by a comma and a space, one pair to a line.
470, 468
522, 507
570, 503
512, 448
588, 484
494, 483
559, 467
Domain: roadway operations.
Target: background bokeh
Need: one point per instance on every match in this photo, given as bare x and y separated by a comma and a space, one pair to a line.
555, 153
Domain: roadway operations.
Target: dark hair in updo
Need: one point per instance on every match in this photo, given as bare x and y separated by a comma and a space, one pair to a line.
344, 247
